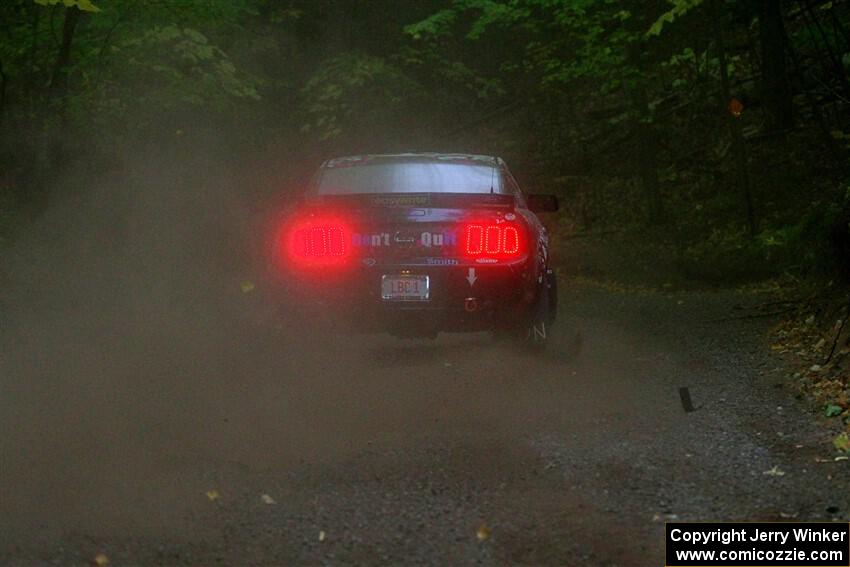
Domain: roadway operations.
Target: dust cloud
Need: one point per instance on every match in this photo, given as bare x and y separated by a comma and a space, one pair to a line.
134, 365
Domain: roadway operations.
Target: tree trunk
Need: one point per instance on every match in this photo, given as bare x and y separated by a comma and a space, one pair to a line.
840, 29
775, 89
798, 72
649, 174
647, 146
837, 65
59, 78
738, 148
647, 154
57, 91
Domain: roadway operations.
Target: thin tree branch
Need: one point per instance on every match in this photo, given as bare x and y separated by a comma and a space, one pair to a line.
837, 335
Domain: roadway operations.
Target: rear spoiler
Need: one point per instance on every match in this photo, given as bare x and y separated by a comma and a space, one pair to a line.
428, 200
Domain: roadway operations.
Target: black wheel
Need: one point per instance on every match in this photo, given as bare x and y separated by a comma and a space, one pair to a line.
531, 331
537, 329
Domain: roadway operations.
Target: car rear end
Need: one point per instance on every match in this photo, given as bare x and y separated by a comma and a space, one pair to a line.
412, 245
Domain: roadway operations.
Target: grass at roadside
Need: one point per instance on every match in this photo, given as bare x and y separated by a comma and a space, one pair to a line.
814, 340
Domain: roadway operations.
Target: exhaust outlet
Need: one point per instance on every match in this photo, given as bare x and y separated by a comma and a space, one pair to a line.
470, 304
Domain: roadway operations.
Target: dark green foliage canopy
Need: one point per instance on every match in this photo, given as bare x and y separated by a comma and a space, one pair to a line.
625, 107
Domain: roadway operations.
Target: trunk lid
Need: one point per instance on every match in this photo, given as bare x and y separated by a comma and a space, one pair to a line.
414, 229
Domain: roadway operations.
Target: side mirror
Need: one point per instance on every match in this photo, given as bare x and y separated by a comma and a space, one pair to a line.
543, 203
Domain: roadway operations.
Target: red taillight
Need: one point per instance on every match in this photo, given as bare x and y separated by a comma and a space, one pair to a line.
492, 240
321, 241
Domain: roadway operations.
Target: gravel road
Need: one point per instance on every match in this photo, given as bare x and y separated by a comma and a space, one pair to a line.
157, 446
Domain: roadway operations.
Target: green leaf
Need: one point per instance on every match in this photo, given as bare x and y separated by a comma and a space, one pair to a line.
833, 410
679, 9
84, 5
842, 443
435, 25
87, 6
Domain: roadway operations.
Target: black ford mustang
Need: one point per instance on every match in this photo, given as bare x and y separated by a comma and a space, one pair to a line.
415, 244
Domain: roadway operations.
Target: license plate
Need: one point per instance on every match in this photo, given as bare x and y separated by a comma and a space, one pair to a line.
404, 288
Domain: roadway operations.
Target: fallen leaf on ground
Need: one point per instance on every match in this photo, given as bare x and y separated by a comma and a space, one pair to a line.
247, 287
268, 499
483, 532
100, 560
833, 410
212, 495
842, 443
775, 471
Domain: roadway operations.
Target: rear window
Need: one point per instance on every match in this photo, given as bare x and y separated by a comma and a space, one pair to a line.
409, 177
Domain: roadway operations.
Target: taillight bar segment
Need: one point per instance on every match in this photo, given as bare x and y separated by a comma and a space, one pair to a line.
317, 240
492, 240
320, 241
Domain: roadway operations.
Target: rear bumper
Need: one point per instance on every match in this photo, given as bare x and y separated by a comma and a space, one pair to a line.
459, 299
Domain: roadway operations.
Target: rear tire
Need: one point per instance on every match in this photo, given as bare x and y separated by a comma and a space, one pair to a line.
531, 332
537, 329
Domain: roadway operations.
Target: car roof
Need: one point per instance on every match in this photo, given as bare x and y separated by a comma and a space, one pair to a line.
470, 159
